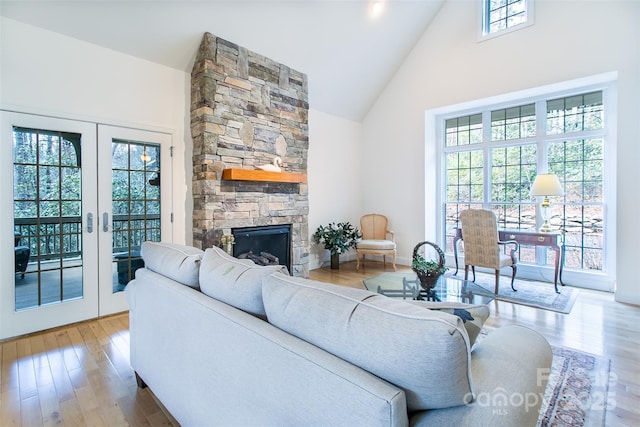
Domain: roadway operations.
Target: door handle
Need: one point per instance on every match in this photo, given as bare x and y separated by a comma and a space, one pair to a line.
105, 222
89, 223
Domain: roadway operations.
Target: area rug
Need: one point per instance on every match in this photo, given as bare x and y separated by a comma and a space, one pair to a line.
576, 394
577, 389
529, 292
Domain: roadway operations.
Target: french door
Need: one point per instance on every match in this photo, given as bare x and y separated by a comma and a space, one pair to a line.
134, 205
84, 197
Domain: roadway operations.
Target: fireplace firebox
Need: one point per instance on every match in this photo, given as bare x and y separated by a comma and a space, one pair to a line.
264, 245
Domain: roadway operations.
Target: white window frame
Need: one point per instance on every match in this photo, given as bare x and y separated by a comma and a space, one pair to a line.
434, 135
483, 10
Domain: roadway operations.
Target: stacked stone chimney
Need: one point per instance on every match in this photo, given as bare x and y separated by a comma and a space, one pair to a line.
246, 110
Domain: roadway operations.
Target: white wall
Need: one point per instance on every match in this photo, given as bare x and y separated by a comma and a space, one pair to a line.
335, 156
448, 66
46, 73
42, 72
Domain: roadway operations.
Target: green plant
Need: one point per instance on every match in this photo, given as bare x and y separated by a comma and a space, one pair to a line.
338, 238
429, 268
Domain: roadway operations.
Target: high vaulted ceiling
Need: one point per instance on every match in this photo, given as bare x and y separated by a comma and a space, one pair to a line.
348, 53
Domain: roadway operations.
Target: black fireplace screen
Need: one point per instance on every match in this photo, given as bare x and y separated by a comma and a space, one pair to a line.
264, 245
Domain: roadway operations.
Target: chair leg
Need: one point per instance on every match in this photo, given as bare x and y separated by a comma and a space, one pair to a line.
466, 272
393, 261
358, 261
497, 281
473, 269
513, 276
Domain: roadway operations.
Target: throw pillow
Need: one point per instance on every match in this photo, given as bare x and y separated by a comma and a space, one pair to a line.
237, 282
177, 262
425, 352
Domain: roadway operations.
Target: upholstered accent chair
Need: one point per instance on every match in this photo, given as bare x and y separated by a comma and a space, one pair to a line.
377, 239
482, 247
22, 254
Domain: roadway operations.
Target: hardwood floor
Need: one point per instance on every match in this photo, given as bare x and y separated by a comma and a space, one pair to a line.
77, 375
80, 375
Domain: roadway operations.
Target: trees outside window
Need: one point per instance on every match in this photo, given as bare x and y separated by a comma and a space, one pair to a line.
47, 192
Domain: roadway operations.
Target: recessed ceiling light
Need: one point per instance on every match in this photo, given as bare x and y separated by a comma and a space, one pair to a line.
376, 8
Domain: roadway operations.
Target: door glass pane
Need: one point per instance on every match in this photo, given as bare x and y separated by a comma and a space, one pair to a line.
135, 205
47, 217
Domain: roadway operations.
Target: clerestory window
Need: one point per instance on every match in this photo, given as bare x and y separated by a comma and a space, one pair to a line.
501, 16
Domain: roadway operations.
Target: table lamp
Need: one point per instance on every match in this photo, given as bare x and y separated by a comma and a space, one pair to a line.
546, 184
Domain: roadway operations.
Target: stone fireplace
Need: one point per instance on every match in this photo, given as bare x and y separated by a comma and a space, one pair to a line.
246, 110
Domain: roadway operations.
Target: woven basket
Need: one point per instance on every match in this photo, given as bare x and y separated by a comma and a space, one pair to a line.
428, 280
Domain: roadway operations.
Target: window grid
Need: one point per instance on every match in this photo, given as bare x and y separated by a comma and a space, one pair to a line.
136, 196
512, 172
578, 162
575, 113
513, 123
464, 130
465, 181
501, 15
47, 209
135, 202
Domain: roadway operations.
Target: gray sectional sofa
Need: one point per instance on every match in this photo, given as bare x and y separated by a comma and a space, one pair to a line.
221, 341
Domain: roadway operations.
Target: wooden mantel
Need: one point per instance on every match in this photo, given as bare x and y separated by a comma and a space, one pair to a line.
260, 175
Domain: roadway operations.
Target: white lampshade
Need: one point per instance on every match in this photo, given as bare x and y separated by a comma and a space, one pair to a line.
546, 184
145, 157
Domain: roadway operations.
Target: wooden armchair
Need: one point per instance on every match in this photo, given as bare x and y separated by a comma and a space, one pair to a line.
482, 247
376, 239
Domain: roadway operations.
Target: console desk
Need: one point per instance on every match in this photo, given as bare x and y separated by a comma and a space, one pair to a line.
554, 240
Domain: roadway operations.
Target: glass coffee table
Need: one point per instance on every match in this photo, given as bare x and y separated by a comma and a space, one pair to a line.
448, 288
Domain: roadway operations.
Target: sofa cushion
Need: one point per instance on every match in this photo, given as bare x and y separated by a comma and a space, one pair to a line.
237, 282
424, 352
177, 262
510, 370
476, 314
376, 244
